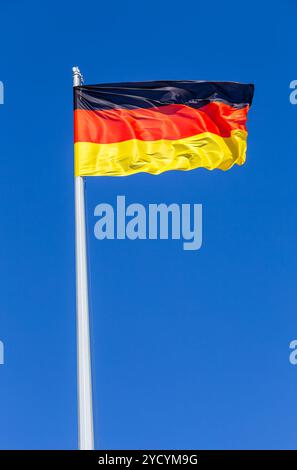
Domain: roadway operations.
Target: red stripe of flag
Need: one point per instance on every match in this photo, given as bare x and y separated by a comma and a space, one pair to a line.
170, 122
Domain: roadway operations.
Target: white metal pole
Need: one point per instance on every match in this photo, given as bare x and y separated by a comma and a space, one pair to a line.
84, 374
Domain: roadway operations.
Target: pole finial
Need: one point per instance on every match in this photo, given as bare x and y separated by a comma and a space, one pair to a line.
77, 76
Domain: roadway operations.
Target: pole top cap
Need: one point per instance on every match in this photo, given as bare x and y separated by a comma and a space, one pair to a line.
77, 76
75, 69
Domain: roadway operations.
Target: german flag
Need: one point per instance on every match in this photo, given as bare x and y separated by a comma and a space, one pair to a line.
152, 127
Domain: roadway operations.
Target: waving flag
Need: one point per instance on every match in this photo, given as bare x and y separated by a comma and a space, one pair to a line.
152, 127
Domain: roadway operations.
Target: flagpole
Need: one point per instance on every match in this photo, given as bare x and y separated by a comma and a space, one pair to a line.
84, 374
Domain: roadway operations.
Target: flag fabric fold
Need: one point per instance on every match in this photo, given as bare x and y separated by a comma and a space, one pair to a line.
152, 127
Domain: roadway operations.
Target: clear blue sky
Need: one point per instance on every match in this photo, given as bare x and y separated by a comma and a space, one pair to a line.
190, 349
